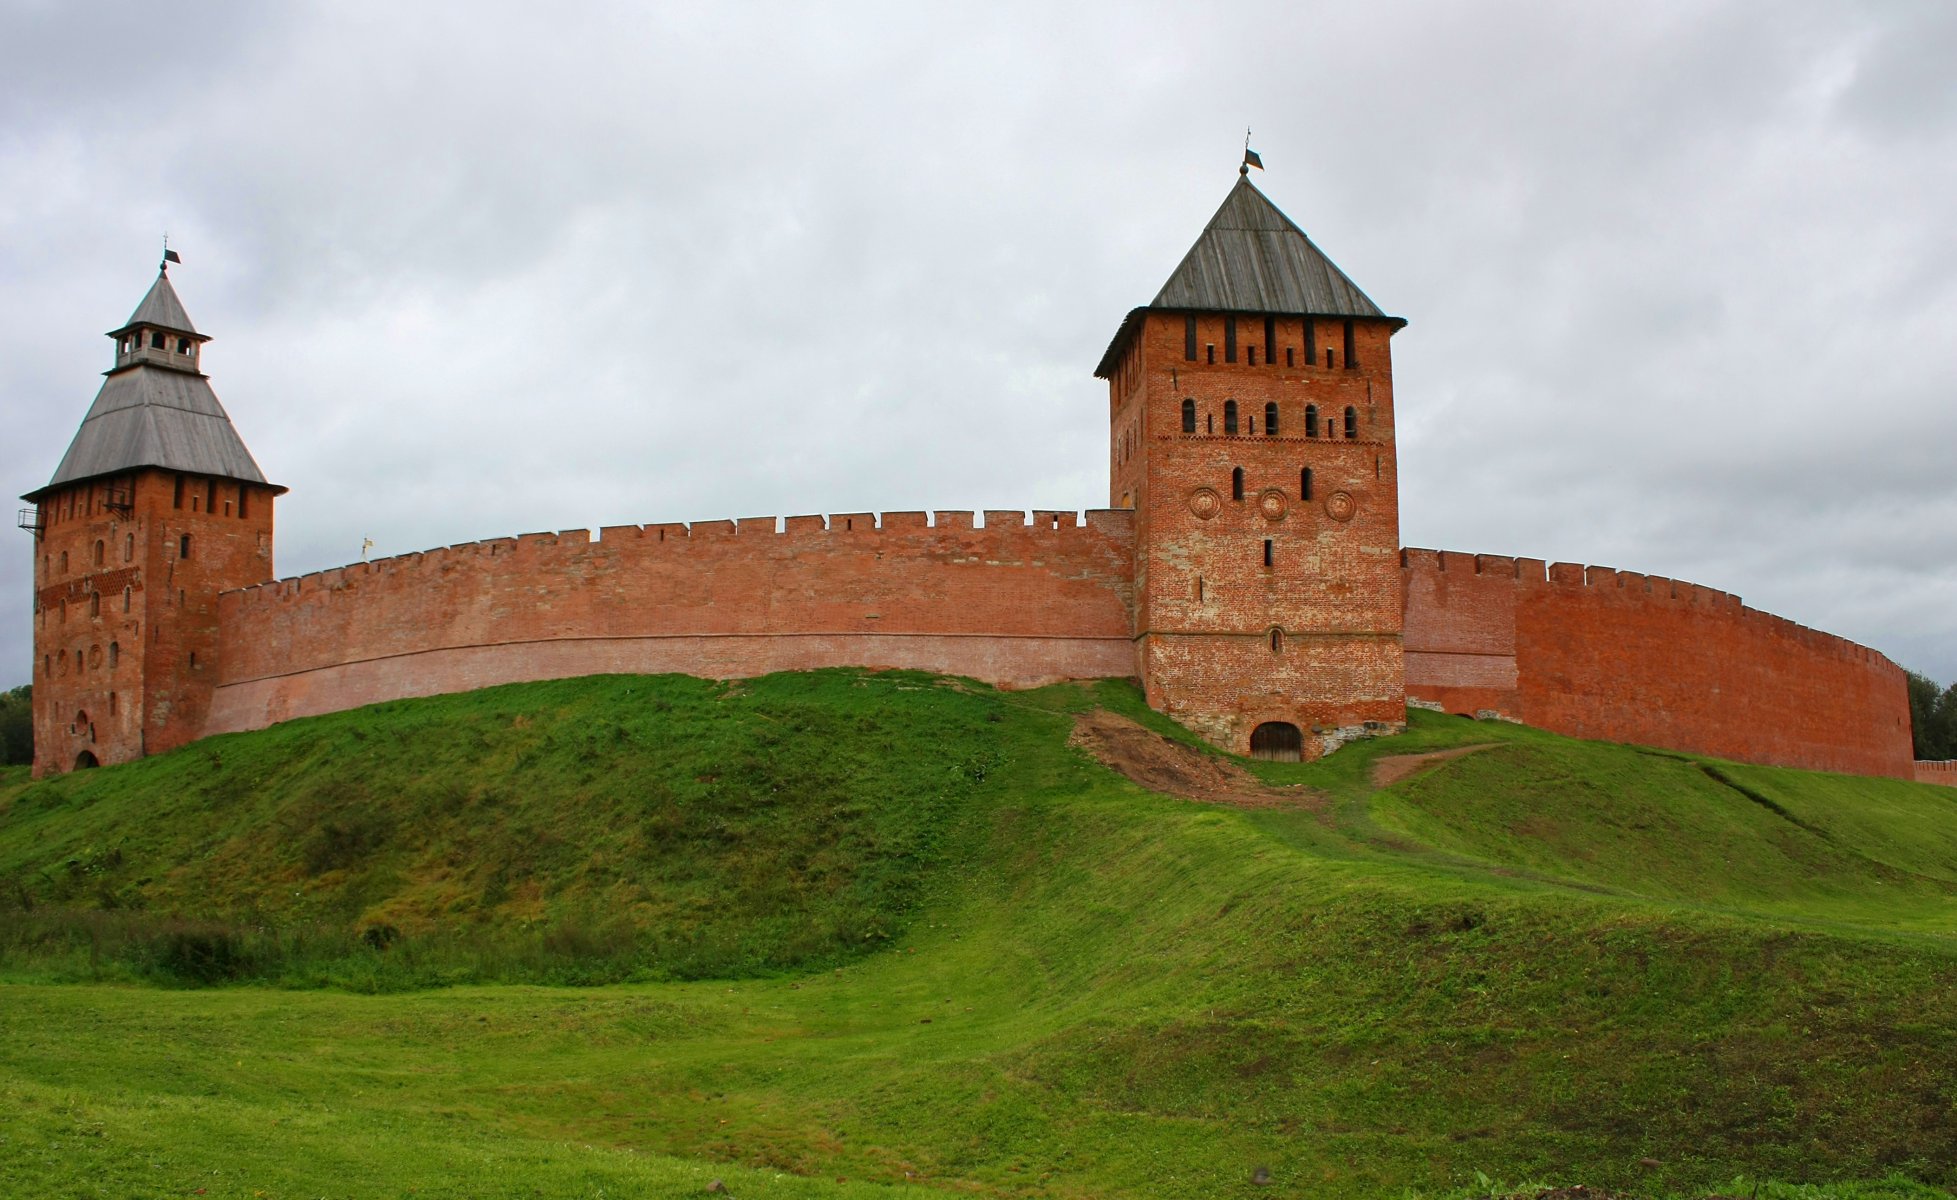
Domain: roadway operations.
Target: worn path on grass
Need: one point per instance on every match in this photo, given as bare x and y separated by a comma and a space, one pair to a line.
1162, 764
1395, 767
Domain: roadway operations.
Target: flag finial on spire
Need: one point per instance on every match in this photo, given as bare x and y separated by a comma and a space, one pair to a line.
1250, 156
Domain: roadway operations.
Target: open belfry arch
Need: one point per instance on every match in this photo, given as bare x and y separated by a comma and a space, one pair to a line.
1252, 415
155, 509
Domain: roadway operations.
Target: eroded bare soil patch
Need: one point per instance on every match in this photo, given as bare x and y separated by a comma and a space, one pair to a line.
1163, 765
1393, 768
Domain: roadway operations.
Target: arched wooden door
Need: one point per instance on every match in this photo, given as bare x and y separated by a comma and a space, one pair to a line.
1277, 741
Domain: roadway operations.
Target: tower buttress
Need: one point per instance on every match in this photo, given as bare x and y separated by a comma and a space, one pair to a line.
155, 509
1252, 431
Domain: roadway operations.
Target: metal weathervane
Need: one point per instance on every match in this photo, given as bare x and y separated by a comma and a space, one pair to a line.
1250, 156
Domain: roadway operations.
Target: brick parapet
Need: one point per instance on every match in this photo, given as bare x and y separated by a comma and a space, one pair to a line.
1015, 601
1599, 652
1938, 771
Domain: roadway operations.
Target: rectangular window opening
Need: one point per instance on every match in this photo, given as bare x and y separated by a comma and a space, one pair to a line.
1351, 351
1267, 552
1189, 338
1229, 339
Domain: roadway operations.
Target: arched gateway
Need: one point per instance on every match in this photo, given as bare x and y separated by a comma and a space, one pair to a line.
1277, 741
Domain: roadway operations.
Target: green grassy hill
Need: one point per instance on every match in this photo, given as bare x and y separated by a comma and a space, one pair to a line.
862, 931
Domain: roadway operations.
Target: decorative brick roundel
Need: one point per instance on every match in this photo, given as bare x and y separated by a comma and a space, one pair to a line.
1339, 506
1271, 504
1205, 503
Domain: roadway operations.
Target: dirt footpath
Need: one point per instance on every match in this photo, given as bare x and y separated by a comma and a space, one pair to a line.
1394, 768
1162, 765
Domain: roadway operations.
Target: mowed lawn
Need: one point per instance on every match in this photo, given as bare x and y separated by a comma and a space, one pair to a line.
851, 934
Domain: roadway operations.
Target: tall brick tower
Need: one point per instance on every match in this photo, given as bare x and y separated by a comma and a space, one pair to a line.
155, 509
1252, 410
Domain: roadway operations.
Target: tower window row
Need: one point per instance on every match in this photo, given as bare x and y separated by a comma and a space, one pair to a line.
206, 499
60, 607
1237, 483
116, 496
1235, 422
90, 659
1305, 352
158, 340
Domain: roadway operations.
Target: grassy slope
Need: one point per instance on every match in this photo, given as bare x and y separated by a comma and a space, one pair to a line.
583, 831
1089, 990
1795, 844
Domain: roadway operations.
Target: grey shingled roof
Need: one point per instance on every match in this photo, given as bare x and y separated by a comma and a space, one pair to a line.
153, 415
1252, 259
148, 416
161, 307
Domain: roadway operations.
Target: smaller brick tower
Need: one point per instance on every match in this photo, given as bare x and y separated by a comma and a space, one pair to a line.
155, 509
1252, 432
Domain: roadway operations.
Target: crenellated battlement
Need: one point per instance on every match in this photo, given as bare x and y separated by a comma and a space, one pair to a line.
1533, 573
1598, 652
1038, 528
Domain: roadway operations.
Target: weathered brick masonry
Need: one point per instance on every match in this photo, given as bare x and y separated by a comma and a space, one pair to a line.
1248, 572
1942, 772
1622, 657
1010, 602
126, 608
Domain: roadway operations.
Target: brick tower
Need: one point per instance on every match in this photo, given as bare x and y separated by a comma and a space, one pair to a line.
155, 509
1252, 410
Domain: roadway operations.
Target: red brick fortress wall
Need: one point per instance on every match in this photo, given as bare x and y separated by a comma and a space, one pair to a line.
1942, 771
1599, 653
1010, 602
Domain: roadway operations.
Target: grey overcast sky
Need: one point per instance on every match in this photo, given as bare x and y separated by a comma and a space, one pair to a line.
1681, 277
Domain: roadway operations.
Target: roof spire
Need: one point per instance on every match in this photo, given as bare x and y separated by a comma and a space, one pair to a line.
156, 409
